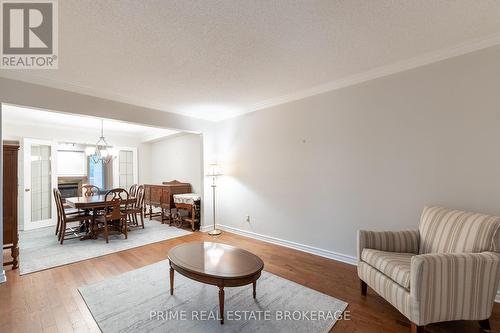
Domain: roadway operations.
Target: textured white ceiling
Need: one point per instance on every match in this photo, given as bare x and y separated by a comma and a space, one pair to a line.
216, 59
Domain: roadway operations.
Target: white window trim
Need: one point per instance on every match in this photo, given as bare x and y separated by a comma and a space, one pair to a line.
116, 166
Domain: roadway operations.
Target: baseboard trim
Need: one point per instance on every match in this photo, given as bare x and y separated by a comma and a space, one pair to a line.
205, 228
293, 245
297, 246
3, 277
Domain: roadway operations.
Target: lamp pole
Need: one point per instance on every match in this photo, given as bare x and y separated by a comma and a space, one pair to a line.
214, 232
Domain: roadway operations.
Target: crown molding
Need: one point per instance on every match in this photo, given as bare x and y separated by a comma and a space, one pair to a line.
401, 66
378, 72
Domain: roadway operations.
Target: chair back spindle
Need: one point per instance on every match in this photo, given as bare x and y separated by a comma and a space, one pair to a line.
139, 197
89, 190
59, 204
116, 203
133, 190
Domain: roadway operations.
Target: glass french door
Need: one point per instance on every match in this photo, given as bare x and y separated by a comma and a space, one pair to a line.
39, 178
125, 168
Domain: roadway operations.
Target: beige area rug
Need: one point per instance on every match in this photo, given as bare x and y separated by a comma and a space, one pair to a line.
139, 301
40, 249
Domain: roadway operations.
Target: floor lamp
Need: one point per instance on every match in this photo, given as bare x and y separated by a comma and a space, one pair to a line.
214, 171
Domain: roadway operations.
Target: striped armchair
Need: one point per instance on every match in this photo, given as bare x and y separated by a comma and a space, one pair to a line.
446, 270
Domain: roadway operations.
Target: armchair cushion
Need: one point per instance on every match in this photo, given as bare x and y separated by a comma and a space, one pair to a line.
391, 241
445, 230
453, 286
394, 265
392, 292
452, 263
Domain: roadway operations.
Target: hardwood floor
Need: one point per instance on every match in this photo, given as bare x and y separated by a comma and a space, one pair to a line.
48, 301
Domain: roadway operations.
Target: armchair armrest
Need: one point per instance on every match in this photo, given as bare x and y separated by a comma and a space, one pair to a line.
392, 241
453, 286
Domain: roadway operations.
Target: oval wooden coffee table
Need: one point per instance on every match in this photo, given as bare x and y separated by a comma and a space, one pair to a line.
217, 264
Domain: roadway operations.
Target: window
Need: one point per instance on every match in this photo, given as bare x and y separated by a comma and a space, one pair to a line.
126, 169
96, 173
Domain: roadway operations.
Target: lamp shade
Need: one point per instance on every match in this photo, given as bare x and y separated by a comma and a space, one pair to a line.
214, 170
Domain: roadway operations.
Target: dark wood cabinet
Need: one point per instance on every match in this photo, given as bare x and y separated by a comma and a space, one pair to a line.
10, 185
162, 196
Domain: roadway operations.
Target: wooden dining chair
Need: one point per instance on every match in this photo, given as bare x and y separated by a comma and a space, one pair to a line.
68, 212
115, 215
133, 190
137, 208
59, 215
89, 190
65, 221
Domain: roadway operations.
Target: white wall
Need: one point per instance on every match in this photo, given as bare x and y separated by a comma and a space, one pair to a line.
368, 156
178, 157
144, 163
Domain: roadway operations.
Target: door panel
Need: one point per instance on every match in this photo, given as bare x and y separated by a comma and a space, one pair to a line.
125, 168
39, 179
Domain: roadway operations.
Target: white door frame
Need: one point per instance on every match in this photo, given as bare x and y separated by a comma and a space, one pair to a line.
28, 224
116, 166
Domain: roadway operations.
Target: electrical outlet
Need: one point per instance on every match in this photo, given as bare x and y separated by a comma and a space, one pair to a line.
247, 218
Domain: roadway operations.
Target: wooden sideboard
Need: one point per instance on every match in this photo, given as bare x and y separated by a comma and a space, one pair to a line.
10, 184
162, 196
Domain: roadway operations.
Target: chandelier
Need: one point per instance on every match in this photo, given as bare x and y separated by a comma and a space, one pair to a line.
102, 150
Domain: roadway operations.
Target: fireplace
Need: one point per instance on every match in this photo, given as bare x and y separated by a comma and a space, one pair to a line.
70, 187
68, 190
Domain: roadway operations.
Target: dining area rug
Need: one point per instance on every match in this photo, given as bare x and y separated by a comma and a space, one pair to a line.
39, 249
146, 305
